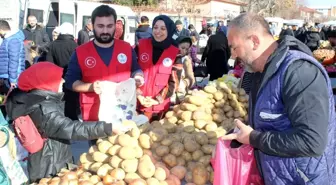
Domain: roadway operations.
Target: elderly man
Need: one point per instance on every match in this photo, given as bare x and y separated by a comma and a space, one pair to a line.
291, 112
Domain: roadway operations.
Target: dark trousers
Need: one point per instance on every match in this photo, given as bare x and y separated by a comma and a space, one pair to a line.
71, 107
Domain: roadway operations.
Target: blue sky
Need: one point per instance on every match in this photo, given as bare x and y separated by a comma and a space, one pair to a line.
321, 2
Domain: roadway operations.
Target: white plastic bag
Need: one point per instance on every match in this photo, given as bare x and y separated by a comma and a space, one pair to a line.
118, 102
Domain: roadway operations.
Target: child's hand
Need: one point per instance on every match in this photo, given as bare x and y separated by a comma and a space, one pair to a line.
3, 138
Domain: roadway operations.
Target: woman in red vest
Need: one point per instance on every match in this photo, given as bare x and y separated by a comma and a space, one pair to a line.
162, 71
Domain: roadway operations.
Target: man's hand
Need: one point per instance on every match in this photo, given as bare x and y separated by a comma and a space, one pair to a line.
243, 135
96, 87
139, 80
147, 101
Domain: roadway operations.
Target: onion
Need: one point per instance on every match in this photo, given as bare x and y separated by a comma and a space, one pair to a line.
95, 179
45, 180
55, 179
118, 174
64, 182
138, 182
108, 179
70, 176
85, 183
73, 182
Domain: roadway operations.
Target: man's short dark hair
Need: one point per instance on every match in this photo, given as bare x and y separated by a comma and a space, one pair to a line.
4, 25
103, 11
144, 19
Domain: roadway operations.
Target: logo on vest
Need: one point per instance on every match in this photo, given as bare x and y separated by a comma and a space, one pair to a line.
122, 58
144, 57
167, 62
90, 62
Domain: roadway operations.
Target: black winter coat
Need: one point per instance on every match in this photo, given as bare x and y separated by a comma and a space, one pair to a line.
38, 36
312, 40
46, 110
60, 51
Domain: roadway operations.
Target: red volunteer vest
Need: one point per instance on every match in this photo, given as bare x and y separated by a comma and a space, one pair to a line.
94, 69
156, 76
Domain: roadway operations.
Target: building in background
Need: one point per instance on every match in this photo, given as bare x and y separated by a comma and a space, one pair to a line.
310, 14
327, 11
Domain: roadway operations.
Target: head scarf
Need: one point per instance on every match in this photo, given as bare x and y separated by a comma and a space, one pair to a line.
41, 76
170, 29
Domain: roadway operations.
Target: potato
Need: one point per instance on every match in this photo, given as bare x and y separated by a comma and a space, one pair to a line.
186, 115
100, 157
135, 133
176, 148
242, 99
130, 177
171, 128
172, 120
95, 166
227, 108
86, 166
186, 156
191, 165
138, 151
162, 150
124, 139
157, 134
213, 141
176, 108
189, 129
200, 124
152, 181
211, 127
155, 145
93, 149
196, 100
218, 118
175, 137
170, 160
205, 159
156, 124
180, 161
86, 158
144, 128
104, 170
94, 179
115, 161
114, 150
200, 175
179, 171
210, 89
169, 114
146, 169
188, 123
127, 152
207, 149
188, 177
201, 138
103, 146
218, 95
236, 114
160, 174
166, 142
242, 92
197, 155
188, 107
129, 165
145, 141
163, 166
211, 134
191, 146
229, 114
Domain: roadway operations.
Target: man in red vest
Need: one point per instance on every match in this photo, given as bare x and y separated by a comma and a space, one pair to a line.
103, 59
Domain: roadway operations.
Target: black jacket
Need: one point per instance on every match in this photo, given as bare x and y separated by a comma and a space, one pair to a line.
84, 36
183, 33
38, 36
46, 110
312, 39
61, 50
217, 54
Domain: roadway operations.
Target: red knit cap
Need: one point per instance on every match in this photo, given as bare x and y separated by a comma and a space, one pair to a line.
42, 76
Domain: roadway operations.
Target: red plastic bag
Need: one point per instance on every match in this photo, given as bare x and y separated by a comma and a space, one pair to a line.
235, 166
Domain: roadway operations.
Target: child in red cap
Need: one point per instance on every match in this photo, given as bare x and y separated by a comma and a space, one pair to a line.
39, 95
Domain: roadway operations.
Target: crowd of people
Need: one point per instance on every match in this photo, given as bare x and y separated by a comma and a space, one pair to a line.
291, 111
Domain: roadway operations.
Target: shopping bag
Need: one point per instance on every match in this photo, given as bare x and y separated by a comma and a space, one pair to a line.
234, 166
118, 102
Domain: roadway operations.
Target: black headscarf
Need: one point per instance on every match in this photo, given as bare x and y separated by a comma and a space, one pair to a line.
159, 47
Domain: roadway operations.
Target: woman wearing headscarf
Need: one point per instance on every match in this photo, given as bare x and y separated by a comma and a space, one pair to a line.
162, 70
217, 54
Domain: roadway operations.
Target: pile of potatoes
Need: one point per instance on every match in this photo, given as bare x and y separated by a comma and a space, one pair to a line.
214, 107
